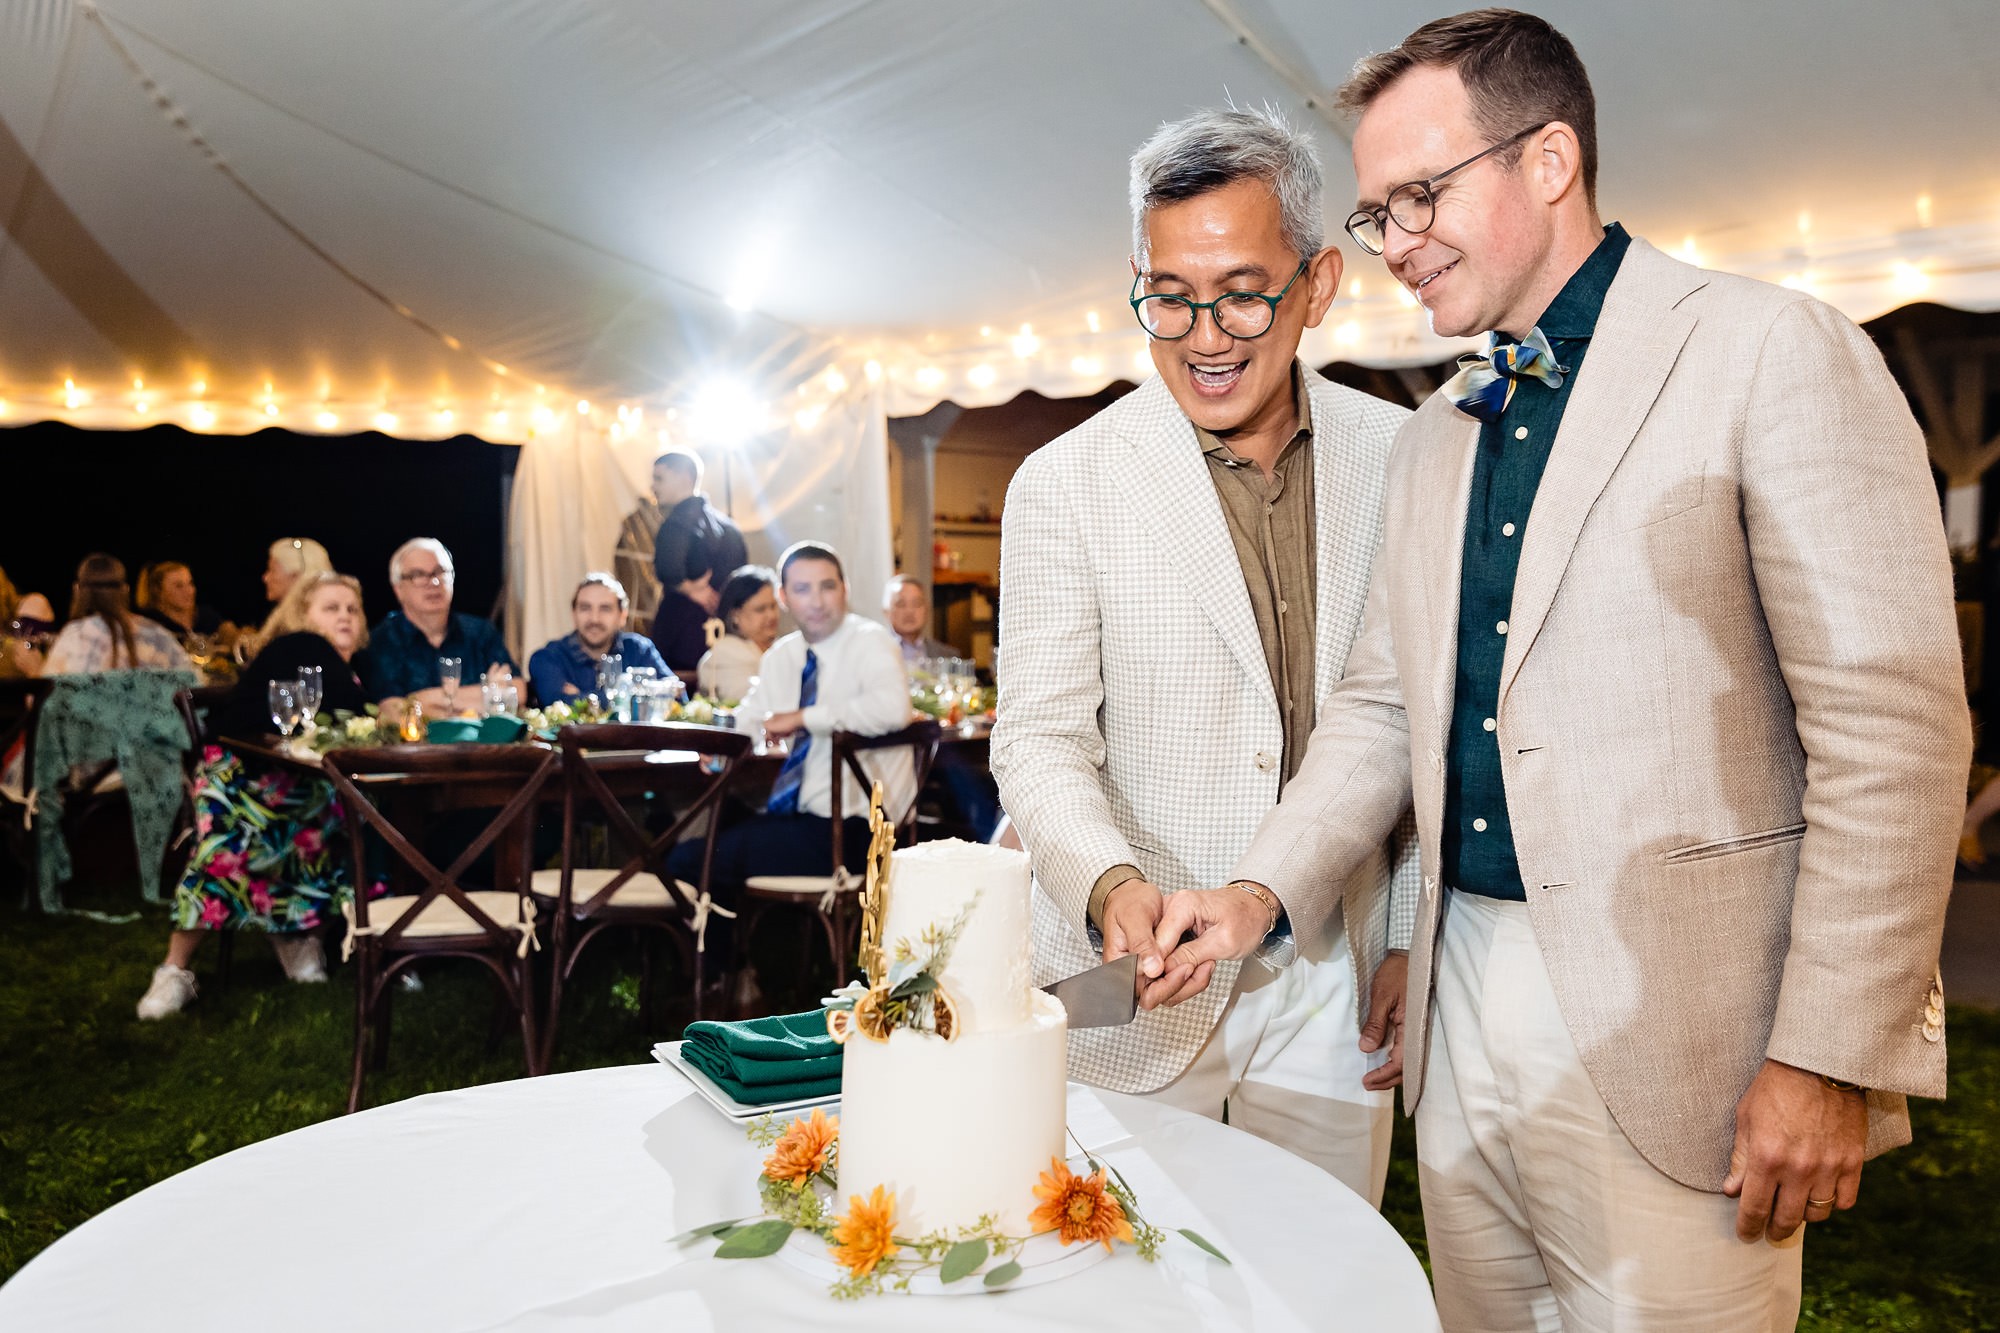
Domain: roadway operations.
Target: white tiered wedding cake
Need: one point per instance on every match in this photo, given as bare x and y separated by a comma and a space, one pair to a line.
959, 1129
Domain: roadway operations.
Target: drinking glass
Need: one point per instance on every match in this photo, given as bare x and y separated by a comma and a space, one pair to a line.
283, 696
201, 652
609, 668
499, 697
451, 670
312, 688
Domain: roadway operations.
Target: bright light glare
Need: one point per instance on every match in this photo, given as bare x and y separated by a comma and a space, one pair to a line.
1091, 320
270, 409
326, 421
203, 418
1026, 344
542, 416
835, 381
808, 417
930, 377
1923, 210
873, 370
1086, 365
725, 411
982, 377
1354, 289
385, 422
1908, 279
1348, 334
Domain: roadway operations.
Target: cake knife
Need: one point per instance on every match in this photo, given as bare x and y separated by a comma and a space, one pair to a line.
1104, 997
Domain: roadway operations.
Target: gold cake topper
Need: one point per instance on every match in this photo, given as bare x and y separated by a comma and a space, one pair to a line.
880, 1004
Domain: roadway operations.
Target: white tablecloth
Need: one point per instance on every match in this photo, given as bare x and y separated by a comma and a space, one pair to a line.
549, 1202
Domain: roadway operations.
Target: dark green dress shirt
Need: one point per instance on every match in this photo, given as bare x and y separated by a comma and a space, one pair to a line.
1478, 851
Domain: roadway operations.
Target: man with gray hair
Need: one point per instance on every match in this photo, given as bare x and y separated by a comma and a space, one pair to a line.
401, 658
1182, 576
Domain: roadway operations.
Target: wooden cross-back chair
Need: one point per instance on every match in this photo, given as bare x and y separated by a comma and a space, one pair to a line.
444, 918
19, 700
641, 893
831, 897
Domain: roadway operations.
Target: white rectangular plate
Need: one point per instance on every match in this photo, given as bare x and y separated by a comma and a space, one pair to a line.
668, 1053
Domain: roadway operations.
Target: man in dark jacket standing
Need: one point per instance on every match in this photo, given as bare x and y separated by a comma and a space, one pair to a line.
696, 549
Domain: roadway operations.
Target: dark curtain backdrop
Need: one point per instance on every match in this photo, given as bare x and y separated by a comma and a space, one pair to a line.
215, 502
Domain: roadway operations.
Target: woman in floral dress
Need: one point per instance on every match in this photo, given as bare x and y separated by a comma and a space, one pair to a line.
270, 850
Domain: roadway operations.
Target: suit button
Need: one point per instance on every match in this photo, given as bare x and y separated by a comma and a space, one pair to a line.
1488, 724
1265, 763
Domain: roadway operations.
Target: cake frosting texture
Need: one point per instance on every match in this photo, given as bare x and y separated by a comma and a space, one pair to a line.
961, 1129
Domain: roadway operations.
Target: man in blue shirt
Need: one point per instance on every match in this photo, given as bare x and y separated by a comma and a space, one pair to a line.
566, 668
403, 651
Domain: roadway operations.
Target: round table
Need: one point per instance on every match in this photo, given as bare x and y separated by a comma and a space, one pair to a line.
549, 1202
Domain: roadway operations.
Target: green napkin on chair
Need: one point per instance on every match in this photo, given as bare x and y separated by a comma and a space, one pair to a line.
763, 1060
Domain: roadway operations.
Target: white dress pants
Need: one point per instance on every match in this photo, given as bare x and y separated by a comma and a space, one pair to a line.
1539, 1212
1285, 1056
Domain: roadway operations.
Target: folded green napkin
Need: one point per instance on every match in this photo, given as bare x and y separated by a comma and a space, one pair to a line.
764, 1060
492, 730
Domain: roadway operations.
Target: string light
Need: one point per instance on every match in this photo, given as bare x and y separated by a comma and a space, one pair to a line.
200, 387
138, 383
873, 370
1348, 334
982, 377
1805, 222
1354, 289
444, 416
270, 409
202, 418
930, 377
385, 422
1086, 365
542, 415
1091, 321
142, 407
1026, 344
326, 421
1908, 279
1923, 210
583, 407
808, 417
835, 381
500, 418
1689, 253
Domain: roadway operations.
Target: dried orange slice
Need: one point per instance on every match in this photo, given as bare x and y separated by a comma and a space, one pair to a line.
868, 1017
840, 1025
944, 1014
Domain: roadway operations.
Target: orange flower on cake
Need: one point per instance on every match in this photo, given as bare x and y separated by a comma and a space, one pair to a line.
1079, 1207
801, 1151
866, 1236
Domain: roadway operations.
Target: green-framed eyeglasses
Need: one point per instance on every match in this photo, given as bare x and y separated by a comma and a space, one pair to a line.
1238, 314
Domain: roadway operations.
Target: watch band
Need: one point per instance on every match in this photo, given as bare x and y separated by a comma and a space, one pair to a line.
1841, 1085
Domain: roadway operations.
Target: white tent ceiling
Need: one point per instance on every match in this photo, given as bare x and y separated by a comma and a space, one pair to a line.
621, 200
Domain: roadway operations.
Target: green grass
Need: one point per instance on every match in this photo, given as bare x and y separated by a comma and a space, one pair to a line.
95, 1105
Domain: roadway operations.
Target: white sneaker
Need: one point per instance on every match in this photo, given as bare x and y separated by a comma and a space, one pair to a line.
172, 988
301, 955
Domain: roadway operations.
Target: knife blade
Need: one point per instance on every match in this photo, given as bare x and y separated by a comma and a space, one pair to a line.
1106, 996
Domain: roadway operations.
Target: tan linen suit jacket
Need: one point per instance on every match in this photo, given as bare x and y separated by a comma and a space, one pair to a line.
1137, 721
1732, 719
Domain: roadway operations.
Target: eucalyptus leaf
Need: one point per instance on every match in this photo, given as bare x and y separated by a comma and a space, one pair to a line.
1004, 1274
706, 1229
1196, 1238
961, 1259
756, 1240
900, 971
921, 984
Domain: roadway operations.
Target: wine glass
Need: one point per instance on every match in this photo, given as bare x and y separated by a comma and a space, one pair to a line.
283, 697
609, 668
312, 688
451, 670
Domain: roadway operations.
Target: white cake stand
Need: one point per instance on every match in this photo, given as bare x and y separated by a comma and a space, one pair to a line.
1043, 1258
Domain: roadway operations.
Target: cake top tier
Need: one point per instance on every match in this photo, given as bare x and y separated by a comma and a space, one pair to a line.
930, 884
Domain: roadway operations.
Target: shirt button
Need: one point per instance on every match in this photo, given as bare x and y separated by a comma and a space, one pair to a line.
1488, 724
1479, 826
1506, 529
1520, 432
1500, 628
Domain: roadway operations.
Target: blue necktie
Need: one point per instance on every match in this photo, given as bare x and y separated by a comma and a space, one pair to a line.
1485, 380
785, 791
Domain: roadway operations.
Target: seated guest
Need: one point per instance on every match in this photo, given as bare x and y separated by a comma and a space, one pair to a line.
909, 610
696, 548
103, 634
748, 610
403, 651
166, 596
27, 625
287, 561
839, 672
567, 667
271, 850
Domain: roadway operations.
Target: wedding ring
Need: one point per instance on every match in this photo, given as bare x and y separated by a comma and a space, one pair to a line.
1819, 1203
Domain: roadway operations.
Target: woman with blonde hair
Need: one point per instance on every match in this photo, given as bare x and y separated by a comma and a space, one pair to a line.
166, 596
289, 560
103, 634
270, 849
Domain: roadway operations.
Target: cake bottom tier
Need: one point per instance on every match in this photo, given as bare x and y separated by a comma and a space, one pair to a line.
956, 1130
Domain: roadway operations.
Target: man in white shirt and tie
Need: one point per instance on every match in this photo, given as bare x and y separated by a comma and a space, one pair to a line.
839, 672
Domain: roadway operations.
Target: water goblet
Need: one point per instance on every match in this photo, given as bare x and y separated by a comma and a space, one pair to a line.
451, 670
283, 698
312, 688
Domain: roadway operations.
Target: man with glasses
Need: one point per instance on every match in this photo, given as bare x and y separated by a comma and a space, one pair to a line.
403, 651
1181, 579
1661, 645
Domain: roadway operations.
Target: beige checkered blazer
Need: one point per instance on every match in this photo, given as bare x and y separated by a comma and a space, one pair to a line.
1732, 718
1137, 720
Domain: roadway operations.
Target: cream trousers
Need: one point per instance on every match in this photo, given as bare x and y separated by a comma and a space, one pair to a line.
1539, 1212
1285, 1058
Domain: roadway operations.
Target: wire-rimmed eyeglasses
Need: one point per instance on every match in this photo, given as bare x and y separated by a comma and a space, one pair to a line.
1239, 314
1413, 204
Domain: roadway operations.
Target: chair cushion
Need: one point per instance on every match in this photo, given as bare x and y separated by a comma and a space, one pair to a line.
443, 917
794, 884
642, 890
